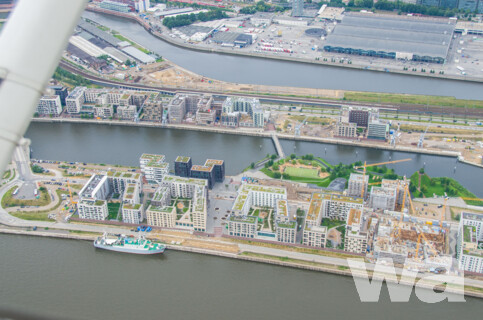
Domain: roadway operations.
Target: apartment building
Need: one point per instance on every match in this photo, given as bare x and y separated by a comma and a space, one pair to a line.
153, 108
164, 217
132, 213
161, 197
469, 246
356, 183
198, 209
378, 130
400, 186
242, 226
250, 106
182, 166
49, 105
204, 172
118, 180
75, 100
286, 231
205, 114
355, 239
383, 198
346, 130
154, 167
256, 195
336, 206
92, 209
314, 236
183, 187
103, 111
218, 169
127, 112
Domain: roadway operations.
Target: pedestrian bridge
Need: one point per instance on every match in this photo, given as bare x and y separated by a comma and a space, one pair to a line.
278, 146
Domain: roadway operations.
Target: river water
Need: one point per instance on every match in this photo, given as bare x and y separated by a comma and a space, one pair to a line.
240, 69
123, 145
72, 279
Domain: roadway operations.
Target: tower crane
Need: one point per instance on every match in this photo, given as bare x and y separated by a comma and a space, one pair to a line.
70, 194
372, 165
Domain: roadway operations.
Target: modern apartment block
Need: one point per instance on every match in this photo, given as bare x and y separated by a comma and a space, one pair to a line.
205, 114
242, 226
218, 169
256, 195
346, 130
297, 8
383, 198
153, 108
336, 206
75, 100
49, 105
92, 204
469, 246
162, 213
127, 112
204, 172
286, 231
161, 216
359, 117
153, 167
183, 187
315, 236
235, 107
132, 209
356, 183
118, 180
378, 130
355, 239
182, 166
103, 111
60, 91
400, 186
161, 197
92, 209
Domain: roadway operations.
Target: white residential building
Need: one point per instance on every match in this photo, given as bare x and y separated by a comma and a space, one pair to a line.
49, 105
256, 195
183, 187
355, 239
132, 213
118, 180
103, 111
286, 231
153, 167
92, 209
336, 206
75, 100
469, 248
164, 217
315, 236
162, 197
126, 112
242, 226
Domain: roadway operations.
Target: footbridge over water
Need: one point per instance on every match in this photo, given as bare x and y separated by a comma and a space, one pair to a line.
278, 146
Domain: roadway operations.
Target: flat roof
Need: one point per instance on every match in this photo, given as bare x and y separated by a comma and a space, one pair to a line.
122, 175
138, 54
355, 217
288, 225
202, 168
282, 207
472, 216
176, 179
210, 162
423, 38
166, 209
245, 219
159, 193
182, 159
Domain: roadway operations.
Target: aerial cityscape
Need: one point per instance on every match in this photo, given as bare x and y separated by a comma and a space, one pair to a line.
300, 135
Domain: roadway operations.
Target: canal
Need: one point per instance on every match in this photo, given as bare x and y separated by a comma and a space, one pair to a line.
123, 145
239, 69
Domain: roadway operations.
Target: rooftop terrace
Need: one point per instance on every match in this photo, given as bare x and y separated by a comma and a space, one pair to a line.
182, 159
176, 179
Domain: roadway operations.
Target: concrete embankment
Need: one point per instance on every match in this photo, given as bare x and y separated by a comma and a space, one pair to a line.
253, 133
221, 50
333, 269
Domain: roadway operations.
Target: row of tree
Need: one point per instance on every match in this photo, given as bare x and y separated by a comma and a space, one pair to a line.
261, 6
187, 19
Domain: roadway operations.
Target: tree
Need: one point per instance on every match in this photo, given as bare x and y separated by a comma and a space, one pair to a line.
421, 171
275, 167
277, 175
273, 156
252, 165
293, 156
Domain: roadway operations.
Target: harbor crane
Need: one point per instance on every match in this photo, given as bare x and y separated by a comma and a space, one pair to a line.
421, 138
299, 126
373, 165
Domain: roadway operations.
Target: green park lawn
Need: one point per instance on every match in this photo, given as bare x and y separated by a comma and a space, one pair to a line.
302, 172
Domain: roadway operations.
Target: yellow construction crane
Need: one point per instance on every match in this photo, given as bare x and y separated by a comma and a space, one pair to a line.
372, 165
421, 234
443, 211
70, 194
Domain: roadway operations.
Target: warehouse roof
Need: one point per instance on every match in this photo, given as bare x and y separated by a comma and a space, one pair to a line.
388, 34
138, 55
99, 33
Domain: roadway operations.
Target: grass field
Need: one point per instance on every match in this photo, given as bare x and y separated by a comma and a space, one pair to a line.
412, 99
113, 209
302, 172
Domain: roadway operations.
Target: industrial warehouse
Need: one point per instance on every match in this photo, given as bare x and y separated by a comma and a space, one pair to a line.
383, 37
